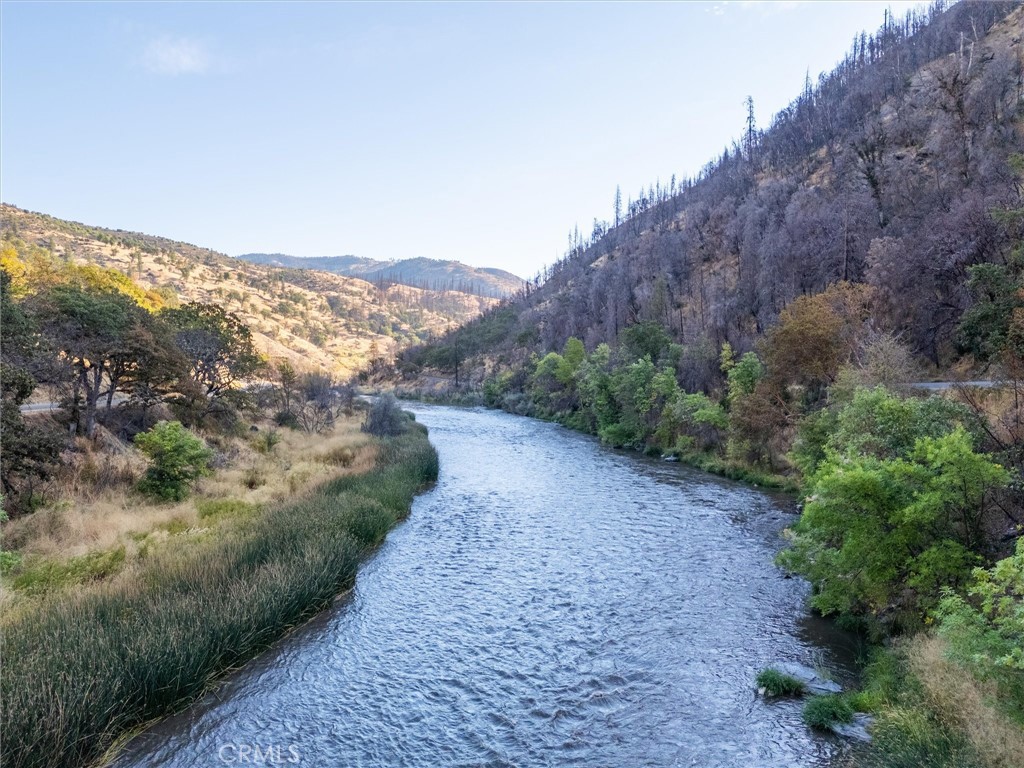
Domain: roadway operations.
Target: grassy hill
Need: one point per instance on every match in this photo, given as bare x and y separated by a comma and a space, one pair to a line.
432, 274
313, 319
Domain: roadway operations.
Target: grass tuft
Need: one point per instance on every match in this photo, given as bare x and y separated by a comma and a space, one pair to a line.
822, 712
776, 683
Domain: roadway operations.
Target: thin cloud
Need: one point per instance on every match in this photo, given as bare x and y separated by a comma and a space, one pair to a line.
176, 56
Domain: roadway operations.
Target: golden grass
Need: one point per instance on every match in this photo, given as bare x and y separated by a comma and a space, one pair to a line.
96, 507
965, 703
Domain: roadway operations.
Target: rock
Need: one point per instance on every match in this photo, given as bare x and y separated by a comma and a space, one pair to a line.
858, 729
812, 680
668, 457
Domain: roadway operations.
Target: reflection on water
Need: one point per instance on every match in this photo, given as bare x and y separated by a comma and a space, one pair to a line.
550, 602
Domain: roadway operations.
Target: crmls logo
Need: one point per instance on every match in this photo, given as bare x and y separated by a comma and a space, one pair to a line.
253, 754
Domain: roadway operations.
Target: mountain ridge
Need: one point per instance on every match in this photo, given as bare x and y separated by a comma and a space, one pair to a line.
313, 319
418, 272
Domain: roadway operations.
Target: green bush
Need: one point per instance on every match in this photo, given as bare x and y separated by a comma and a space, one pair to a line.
822, 712
178, 459
266, 441
985, 629
776, 683
880, 538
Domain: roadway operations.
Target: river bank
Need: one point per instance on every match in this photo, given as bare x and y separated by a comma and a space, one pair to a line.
548, 602
83, 667
706, 460
920, 659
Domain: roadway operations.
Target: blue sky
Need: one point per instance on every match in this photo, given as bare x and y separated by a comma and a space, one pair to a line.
476, 131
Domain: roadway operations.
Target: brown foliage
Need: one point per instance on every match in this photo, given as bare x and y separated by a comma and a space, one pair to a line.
816, 335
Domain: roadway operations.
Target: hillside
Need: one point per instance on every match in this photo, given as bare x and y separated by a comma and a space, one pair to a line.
313, 319
885, 173
431, 274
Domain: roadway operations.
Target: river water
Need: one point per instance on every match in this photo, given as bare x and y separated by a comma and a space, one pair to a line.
550, 602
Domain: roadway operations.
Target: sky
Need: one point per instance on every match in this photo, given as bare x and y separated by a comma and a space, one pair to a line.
481, 132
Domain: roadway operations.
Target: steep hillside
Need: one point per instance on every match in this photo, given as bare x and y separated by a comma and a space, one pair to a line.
432, 274
314, 319
890, 172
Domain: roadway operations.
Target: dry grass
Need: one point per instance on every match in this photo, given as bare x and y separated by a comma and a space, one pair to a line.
964, 703
96, 507
280, 307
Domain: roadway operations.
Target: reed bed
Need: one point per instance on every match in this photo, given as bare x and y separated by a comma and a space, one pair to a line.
88, 666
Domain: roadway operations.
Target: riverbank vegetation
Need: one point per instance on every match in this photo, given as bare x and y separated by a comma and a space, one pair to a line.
766, 321
912, 503
183, 506
92, 659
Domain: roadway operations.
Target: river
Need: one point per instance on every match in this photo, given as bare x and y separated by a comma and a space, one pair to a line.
550, 602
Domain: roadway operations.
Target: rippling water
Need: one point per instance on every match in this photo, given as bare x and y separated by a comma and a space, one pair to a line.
550, 602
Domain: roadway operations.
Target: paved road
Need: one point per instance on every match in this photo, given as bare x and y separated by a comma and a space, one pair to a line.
40, 407
30, 408
938, 386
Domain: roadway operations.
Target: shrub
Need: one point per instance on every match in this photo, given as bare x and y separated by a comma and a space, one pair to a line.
343, 456
44, 575
9, 561
286, 418
254, 478
985, 629
822, 712
267, 441
385, 418
178, 459
881, 538
776, 683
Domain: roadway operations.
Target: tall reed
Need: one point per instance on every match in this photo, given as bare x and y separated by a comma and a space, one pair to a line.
88, 666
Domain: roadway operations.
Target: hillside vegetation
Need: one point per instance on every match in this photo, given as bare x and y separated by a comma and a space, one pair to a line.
311, 319
430, 274
764, 321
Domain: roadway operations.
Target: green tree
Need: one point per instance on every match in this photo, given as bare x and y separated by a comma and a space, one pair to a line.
743, 376
597, 399
177, 459
100, 336
28, 453
641, 340
220, 352
881, 537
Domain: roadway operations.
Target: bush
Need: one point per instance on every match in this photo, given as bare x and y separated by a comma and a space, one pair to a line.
267, 441
776, 683
985, 629
178, 459
286, 418
385, 418
43, 576
822, 712
254, 478
343, 456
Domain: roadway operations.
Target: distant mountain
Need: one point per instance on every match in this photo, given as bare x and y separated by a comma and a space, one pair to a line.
430, 274
314, 319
